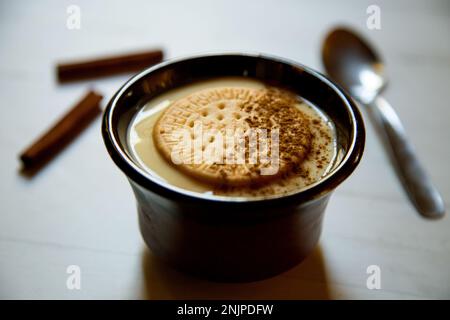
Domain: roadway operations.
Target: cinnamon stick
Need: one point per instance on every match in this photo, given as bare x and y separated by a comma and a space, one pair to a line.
107, 66
61, 134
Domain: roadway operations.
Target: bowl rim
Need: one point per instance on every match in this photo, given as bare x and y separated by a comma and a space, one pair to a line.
316, 190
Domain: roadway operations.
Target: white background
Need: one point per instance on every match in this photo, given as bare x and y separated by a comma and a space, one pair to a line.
80, 210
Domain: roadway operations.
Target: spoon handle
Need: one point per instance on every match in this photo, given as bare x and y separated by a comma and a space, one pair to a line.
415, 180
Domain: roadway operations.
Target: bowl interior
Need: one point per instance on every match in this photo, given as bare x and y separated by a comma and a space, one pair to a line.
301, 80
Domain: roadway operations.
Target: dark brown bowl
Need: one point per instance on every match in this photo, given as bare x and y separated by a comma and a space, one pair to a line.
221, 238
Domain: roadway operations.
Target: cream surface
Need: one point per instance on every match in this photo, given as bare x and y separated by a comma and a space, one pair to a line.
142, 146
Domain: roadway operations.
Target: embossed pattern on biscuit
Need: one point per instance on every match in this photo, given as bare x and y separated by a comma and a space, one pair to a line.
221, 135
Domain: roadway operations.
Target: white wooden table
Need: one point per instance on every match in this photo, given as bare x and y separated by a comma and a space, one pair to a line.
80, 210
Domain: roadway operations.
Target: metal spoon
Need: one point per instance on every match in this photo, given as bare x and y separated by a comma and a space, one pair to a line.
350, 61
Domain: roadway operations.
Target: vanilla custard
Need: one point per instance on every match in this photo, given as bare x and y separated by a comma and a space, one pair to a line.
306, 140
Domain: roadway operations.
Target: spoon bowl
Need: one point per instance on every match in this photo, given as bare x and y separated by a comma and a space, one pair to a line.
352, 63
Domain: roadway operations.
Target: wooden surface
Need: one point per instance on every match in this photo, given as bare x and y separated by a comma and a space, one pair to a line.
80, 210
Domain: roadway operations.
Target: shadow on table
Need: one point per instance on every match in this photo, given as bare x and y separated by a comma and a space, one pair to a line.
305, 281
